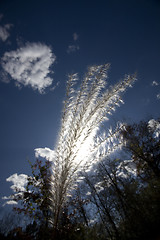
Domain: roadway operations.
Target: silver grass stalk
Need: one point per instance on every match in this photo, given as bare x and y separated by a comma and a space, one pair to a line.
80, 142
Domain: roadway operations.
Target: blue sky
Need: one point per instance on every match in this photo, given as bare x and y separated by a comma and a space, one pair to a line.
41, 42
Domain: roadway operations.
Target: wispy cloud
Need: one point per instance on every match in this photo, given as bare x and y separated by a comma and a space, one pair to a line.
19, 181
4, 30
72, 48
154, 83
75, 36
29, 65
158, 96
55, 86
9, 202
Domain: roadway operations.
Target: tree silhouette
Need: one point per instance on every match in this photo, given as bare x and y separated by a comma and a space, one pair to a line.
35, 198
142, 140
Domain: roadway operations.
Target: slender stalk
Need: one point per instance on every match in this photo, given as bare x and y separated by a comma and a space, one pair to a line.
84, 112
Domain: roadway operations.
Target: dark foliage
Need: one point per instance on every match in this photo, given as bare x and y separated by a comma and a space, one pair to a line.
126, 208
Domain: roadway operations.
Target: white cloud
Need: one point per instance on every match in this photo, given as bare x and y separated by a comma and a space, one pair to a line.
19, 181
158, 95
72, 48
4, 77
10, 199
10, 202
55, 86
45, 153
154, 126
75, 36
154, 83
29, 65
4, 32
